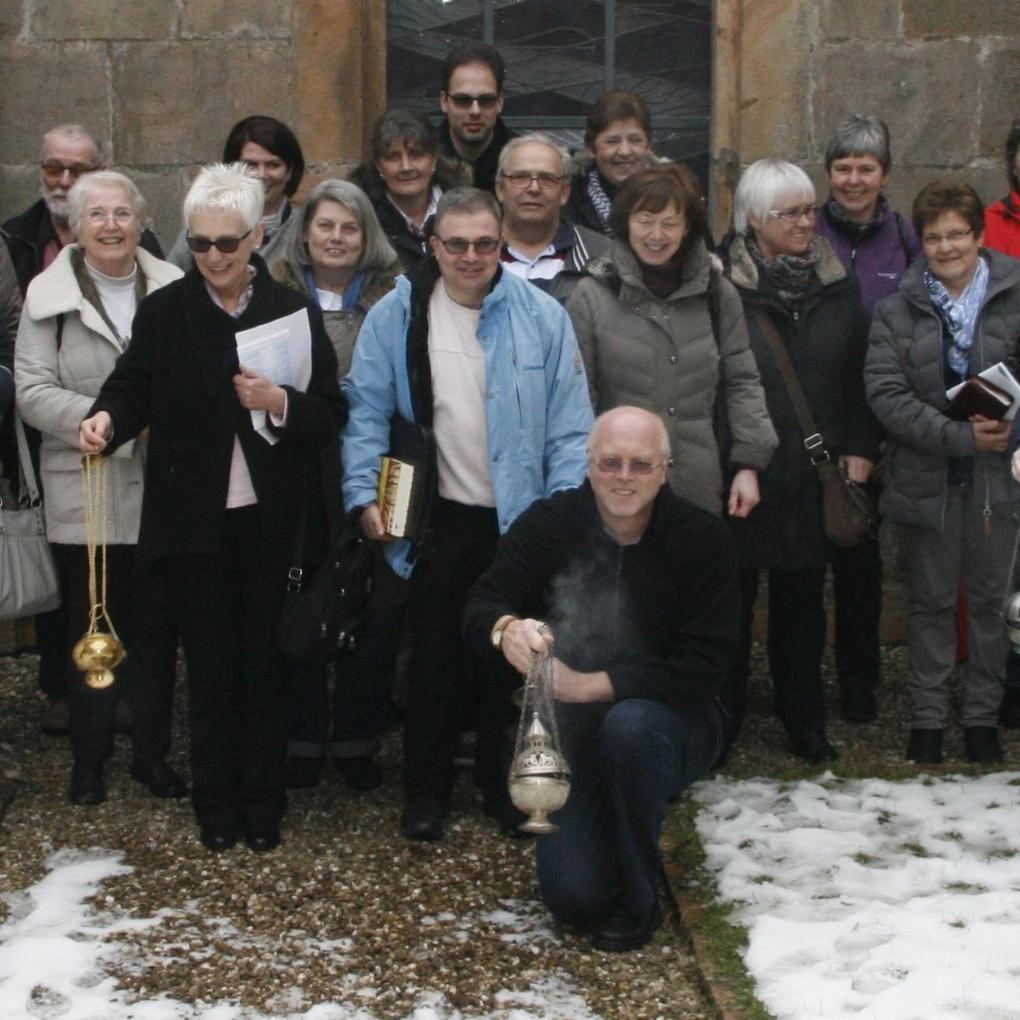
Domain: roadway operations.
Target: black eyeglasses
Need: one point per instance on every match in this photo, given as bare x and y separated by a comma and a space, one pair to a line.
457, 245
227, 245
486, 101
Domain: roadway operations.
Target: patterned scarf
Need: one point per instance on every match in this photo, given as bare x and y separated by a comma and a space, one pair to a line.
600, 200
959, 314
837, 216
788, 275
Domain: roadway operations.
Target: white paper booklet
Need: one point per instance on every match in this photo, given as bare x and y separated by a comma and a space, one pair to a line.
280, 350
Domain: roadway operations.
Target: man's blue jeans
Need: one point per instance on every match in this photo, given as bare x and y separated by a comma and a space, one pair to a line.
628, 759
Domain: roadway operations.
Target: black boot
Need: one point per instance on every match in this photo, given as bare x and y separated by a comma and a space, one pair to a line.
982, 744
813, 746
925, 747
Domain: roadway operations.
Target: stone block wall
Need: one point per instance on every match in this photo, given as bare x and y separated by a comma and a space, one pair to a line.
161, 82
944, 74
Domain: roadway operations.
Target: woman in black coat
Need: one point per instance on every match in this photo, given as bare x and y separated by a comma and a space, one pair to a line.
222, 501
404, 180
788, 276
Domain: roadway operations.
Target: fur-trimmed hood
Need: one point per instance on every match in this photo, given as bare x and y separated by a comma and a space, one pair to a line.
743, 270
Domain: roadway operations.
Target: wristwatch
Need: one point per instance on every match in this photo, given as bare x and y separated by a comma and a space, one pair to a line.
501, 625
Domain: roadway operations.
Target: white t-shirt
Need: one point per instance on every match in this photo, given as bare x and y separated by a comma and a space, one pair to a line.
458, 398
118, 296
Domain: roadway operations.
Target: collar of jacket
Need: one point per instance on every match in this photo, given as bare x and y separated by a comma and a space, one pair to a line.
660, 507
33, 227
620, 269
744, 273
378, 284
1003, 273
55, 290
422, 280
489, 156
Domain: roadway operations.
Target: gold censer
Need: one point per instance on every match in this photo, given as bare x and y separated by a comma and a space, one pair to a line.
100, 651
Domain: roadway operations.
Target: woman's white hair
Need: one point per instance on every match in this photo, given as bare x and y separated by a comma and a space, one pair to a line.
230, 187
763, 185
78, 196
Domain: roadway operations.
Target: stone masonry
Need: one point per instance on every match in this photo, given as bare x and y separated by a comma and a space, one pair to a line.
162, 81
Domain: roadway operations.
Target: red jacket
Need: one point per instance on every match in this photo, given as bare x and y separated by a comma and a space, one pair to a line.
1002, 225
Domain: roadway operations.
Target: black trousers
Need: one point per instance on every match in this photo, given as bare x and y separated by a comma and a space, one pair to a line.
857, 594
226, 608
795, 644
445, 679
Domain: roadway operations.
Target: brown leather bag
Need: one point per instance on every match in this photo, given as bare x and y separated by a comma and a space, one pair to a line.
848, 509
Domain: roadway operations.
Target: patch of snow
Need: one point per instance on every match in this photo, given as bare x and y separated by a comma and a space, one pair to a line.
872, 899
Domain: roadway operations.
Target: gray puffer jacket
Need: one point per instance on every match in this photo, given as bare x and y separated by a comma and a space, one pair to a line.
905, 380
662, 355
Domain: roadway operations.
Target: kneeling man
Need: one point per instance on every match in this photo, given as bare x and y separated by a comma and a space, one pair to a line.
635, 593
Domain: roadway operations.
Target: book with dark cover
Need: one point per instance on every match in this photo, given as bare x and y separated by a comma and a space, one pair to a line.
408, 479
979, 396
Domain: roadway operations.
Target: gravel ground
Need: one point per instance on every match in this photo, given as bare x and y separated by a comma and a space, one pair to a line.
345, 911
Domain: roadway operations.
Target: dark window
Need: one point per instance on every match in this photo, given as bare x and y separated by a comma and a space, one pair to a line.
561, 55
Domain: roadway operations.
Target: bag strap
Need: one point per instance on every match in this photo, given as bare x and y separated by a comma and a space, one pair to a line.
813, 441
29, 484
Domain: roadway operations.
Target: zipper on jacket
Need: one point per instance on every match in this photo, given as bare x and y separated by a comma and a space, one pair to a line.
517, 388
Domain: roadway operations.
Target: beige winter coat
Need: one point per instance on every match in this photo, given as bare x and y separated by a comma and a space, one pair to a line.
55, 389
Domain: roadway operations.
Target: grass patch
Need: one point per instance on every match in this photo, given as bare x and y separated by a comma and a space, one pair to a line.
916, 849
720, 943
865, 860
965, 887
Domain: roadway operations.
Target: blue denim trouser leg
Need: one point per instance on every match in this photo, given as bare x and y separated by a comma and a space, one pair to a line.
627, 760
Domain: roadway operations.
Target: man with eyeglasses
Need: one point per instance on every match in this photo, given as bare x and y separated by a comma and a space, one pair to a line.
634, 592
533, 185
34, 239
490, 366
473, 132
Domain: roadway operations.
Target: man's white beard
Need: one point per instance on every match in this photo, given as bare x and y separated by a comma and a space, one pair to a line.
56, 206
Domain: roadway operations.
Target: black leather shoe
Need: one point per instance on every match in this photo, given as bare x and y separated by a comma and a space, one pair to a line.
925, 747
87, 786
506, 816
1009, 711
813, 746
982, 744
160, 778
422, 818
621, 932
362, 774
218, 838
262, 839
302, 772
55, 717
857, 705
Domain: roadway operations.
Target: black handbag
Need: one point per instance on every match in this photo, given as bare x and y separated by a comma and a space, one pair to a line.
321, 612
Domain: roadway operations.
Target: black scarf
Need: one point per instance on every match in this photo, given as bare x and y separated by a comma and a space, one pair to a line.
788, 275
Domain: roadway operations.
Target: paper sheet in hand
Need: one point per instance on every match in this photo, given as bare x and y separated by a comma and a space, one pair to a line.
280, 350
997, 375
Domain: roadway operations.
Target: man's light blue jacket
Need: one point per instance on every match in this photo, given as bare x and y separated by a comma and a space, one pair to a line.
537, 409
